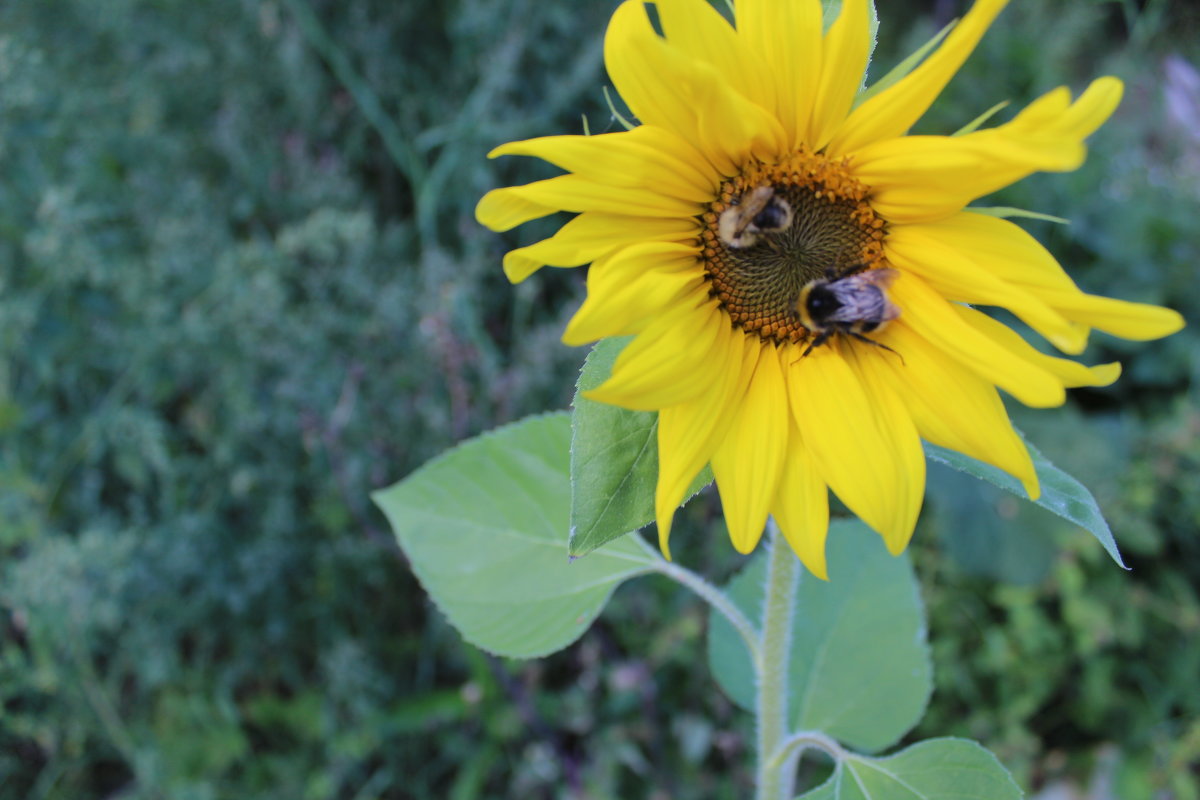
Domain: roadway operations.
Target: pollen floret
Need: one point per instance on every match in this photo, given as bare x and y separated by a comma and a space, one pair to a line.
831, 227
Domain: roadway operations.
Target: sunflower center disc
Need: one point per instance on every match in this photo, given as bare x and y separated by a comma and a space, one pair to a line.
776, 227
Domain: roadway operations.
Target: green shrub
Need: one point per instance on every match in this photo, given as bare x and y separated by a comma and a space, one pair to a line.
242, 286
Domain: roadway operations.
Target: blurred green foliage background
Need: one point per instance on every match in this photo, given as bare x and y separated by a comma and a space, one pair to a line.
241, 287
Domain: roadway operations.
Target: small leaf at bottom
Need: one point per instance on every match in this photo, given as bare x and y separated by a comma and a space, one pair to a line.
938, 769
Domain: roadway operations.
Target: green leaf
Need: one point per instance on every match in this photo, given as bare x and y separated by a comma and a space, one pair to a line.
974, 124
614, 460
987, 531
1061, 494
937, 769
1005, 212
901, 70
860, 669
617, 115
483, 526
831, 9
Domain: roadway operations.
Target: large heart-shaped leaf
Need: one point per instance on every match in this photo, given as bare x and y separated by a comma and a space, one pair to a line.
484, 526
859, 668
938, 769
614, 460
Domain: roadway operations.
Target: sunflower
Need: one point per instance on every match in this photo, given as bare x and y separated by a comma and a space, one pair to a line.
755, 180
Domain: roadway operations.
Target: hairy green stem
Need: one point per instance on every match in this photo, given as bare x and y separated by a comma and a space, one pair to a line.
771, 703
718, 600
800, 741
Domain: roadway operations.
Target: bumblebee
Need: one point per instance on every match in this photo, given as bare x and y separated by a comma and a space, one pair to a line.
853, 302
757, 212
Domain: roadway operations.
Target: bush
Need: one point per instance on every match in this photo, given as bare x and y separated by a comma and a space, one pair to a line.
243, 287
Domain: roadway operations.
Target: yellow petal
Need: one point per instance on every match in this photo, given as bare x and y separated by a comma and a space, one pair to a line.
1092, 109
748, 461
953, 407
688, 433
666, 88
592, 235
1138, 321
1071, 373
921, 178
731, 128
846, 51
801, 506
870, 365
636, 59
645, 157
1043, 111
893, 111
939, 323
700, 31
788, 34
631, 287
1006, 250
956, 275
862, 439
670, 361
504, 209
576, 193
1003, 248
1078, 121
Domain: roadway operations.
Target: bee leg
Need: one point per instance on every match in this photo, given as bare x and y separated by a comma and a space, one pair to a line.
874, 343
821, 339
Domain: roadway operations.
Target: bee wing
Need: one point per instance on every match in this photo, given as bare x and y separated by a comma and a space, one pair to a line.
883, 278
856, 302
